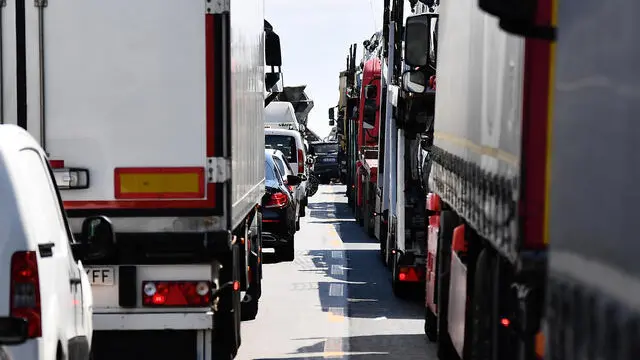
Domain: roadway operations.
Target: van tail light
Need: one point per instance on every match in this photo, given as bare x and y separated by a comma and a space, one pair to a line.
176, 293
300, 162
69, 178
25, 291
277, 200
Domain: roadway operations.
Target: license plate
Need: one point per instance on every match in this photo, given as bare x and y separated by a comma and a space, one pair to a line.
329, 160
101, 276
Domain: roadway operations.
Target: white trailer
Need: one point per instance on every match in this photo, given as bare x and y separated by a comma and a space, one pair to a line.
152, 115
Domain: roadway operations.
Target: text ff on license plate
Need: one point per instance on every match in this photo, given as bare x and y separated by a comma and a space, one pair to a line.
101, 276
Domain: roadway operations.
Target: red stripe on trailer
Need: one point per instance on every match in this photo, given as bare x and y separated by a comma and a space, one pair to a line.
535, 128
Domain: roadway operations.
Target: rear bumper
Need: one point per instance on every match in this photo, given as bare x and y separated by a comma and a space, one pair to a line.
326, 170
273, 241
153, 321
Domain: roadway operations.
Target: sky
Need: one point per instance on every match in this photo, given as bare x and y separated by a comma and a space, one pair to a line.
315, 37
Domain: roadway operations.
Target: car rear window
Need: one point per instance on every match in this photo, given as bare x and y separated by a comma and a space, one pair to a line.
284, 143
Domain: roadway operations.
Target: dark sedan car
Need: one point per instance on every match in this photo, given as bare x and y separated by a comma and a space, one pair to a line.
278, 211
326, 161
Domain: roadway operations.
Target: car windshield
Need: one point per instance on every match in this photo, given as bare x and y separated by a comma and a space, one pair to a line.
326, 149
284, 143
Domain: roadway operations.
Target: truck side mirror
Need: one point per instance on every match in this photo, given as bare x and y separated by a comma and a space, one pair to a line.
13, 331
331, 114
414, 81
273, 53
332, 122
417, 40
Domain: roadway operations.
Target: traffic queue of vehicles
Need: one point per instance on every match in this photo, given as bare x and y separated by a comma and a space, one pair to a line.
149, 119
471, 197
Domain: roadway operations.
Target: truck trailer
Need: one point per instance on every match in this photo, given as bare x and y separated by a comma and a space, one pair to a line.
152, 117
488, 178
398, 195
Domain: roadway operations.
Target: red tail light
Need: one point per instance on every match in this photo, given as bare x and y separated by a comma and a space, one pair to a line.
25, 290
409, 274
300, 162
277, 200
290, 188
176, 293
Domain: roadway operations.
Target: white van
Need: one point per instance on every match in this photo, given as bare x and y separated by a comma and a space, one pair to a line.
40, 282
291, 144
280, 115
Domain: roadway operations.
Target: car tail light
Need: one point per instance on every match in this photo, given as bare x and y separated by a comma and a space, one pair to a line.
176, 293
69, 178
290, 187
25, 290
300, 162
277, 200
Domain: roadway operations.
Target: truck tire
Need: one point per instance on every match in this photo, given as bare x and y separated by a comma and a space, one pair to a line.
448, 221
303, 207
482, 306
226, 332
250, 304
430, 325
287, 251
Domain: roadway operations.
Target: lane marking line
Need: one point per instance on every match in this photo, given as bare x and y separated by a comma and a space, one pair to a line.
337, 270
337, 254
333, 348
336, 289
336, 314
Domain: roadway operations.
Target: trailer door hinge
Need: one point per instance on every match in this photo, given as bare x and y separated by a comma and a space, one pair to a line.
218, 170
36, 3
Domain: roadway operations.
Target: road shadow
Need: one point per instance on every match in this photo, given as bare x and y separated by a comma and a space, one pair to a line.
379, 347
366, 283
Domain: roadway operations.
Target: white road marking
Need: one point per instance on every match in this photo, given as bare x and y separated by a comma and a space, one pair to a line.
336, 289
337, 270
337, 254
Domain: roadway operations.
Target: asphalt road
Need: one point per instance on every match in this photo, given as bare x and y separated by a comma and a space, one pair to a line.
334, 300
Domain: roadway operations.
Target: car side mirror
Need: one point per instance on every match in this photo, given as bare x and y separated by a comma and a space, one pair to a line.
98, 236
13, 330
293, 180
414, 81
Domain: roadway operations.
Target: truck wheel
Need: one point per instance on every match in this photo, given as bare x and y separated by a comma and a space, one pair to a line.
287, 252
430, 325
303, 211
481, 308
249, 309
448, 221
226, 332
